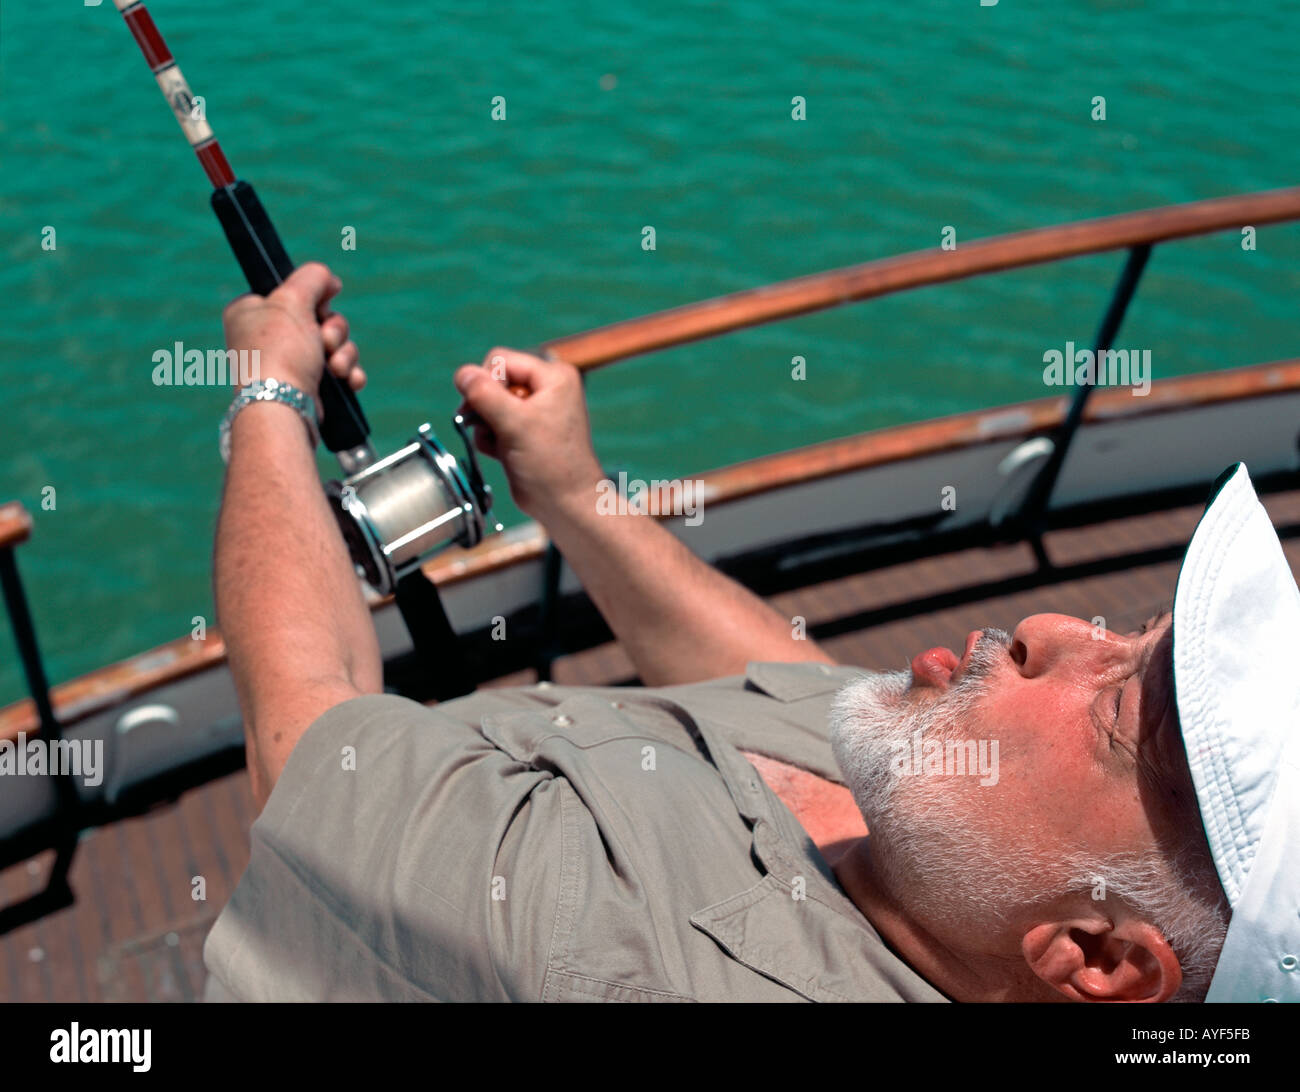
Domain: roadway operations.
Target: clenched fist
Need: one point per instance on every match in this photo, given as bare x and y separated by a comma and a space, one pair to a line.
543, 441
296, 332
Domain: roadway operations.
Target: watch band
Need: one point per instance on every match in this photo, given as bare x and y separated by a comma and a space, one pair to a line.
268, 390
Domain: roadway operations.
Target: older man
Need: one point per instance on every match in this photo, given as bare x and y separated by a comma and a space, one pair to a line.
704, 838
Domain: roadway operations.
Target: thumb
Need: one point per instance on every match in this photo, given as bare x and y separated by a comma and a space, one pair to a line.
308, 288
491, 400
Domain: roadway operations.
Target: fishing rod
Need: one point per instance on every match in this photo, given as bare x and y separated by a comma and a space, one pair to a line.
394, 511
252, 237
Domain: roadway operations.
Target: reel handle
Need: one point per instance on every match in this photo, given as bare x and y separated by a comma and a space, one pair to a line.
266, 264
464, 420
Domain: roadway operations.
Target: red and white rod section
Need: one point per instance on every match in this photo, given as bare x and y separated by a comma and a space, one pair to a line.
171, 82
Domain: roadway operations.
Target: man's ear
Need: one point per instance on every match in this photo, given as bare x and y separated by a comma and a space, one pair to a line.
1096, 959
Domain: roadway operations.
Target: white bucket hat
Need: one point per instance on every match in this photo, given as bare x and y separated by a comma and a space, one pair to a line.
1236, 632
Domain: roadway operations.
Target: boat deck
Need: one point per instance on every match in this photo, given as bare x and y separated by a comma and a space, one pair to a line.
135, 934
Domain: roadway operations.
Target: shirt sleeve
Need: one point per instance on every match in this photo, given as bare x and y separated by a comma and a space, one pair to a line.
401, 856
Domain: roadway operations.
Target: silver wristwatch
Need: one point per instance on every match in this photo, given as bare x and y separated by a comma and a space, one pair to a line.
268, 390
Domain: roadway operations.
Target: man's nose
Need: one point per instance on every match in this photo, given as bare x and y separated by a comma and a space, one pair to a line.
1043, 642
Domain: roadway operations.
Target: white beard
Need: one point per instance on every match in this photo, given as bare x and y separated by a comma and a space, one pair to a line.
868, 716
925, 849
872, 720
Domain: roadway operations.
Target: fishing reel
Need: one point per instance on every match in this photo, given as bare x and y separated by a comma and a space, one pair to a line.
398, 510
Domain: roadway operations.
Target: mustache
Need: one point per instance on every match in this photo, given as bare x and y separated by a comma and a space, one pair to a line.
992, 648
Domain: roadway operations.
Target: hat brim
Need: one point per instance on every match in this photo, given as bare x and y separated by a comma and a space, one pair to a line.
1236, 626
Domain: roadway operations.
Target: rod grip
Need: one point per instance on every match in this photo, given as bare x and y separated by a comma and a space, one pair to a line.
266, 264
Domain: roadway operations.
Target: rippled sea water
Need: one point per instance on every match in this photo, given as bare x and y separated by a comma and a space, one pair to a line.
473, 232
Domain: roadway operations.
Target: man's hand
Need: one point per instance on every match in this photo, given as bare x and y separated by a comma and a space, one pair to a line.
678, 619
296, 331
543, 441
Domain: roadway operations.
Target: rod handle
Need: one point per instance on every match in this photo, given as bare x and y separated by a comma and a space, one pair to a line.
266, 264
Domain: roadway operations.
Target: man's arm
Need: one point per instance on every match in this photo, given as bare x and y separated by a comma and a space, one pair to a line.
679, 619
297, 630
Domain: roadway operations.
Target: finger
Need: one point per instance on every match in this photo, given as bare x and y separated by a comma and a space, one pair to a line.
309, 287
323, 306
334, 332
485, 397
463, 375
512, 367
357, 378
344, 359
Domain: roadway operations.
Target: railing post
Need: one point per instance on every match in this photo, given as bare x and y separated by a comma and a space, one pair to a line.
15, 528
1030, 520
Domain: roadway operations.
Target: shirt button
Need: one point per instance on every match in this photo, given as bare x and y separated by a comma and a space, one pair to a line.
561, 720
825, 669
616, 704
1289, 962
543, 685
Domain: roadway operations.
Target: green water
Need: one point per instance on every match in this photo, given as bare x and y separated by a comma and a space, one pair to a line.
473, 232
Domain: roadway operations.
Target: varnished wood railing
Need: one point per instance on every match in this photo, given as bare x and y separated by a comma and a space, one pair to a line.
878, 278
15, 524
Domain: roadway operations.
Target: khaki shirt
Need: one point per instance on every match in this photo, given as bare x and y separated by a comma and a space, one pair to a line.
553, 844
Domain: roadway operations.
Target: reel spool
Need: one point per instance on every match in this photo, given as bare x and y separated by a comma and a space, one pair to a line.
396, 512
